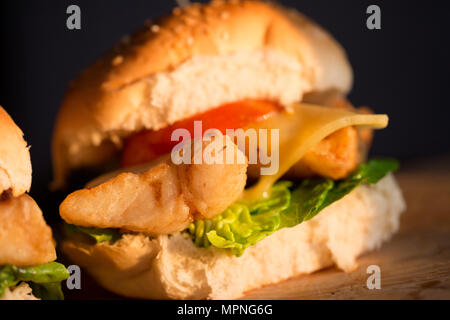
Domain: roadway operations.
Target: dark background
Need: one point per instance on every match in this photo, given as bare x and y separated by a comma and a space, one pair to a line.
401, 69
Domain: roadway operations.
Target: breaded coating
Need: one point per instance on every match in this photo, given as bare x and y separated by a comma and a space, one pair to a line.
25, 238
161, 200
334, 157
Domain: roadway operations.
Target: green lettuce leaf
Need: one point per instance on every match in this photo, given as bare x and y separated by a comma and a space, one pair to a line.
45, 279
7, 279
245, 223
96, 234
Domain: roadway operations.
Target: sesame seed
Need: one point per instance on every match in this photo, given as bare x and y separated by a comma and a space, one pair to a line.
117, 60
116, 140
155, 28
190, 21
96, 138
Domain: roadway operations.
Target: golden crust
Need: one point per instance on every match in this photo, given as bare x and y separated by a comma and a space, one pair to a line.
102, 100
219, 28
25, 238
15, 163
125, 264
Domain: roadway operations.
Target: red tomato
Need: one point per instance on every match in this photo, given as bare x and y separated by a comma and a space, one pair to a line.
147, 145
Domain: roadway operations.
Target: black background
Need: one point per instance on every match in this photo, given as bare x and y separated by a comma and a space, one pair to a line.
401, 69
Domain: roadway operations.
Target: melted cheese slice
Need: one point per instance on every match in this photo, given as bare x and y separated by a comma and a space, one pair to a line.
301, 130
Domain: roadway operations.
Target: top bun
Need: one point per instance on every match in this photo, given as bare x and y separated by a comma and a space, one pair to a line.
15, 163
195, 59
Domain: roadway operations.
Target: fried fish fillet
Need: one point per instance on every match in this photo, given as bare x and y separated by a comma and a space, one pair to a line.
25, 238
163, 199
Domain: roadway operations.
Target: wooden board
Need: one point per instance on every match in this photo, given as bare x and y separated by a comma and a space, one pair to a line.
415, 264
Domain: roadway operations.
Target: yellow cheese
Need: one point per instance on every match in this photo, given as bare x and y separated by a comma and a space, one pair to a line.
301, 130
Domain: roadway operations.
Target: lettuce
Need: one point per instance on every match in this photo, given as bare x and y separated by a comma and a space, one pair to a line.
96, 234
45, 279
245, 223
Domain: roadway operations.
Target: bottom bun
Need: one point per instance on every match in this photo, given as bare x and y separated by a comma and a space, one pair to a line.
21, 292
173, 267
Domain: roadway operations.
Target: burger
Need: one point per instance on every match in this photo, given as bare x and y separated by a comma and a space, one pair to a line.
27, 250
300, 194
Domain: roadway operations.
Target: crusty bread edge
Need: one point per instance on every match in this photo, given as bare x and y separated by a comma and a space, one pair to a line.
15, 162
172, 267
20, 292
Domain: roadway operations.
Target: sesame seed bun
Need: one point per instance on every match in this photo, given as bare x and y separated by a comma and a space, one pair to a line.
195, 59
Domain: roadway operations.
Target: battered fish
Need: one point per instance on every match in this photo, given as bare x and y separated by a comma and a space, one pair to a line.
25, 238
161, 200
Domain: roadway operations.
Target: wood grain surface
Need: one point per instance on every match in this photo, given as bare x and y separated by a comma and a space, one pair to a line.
415, 263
